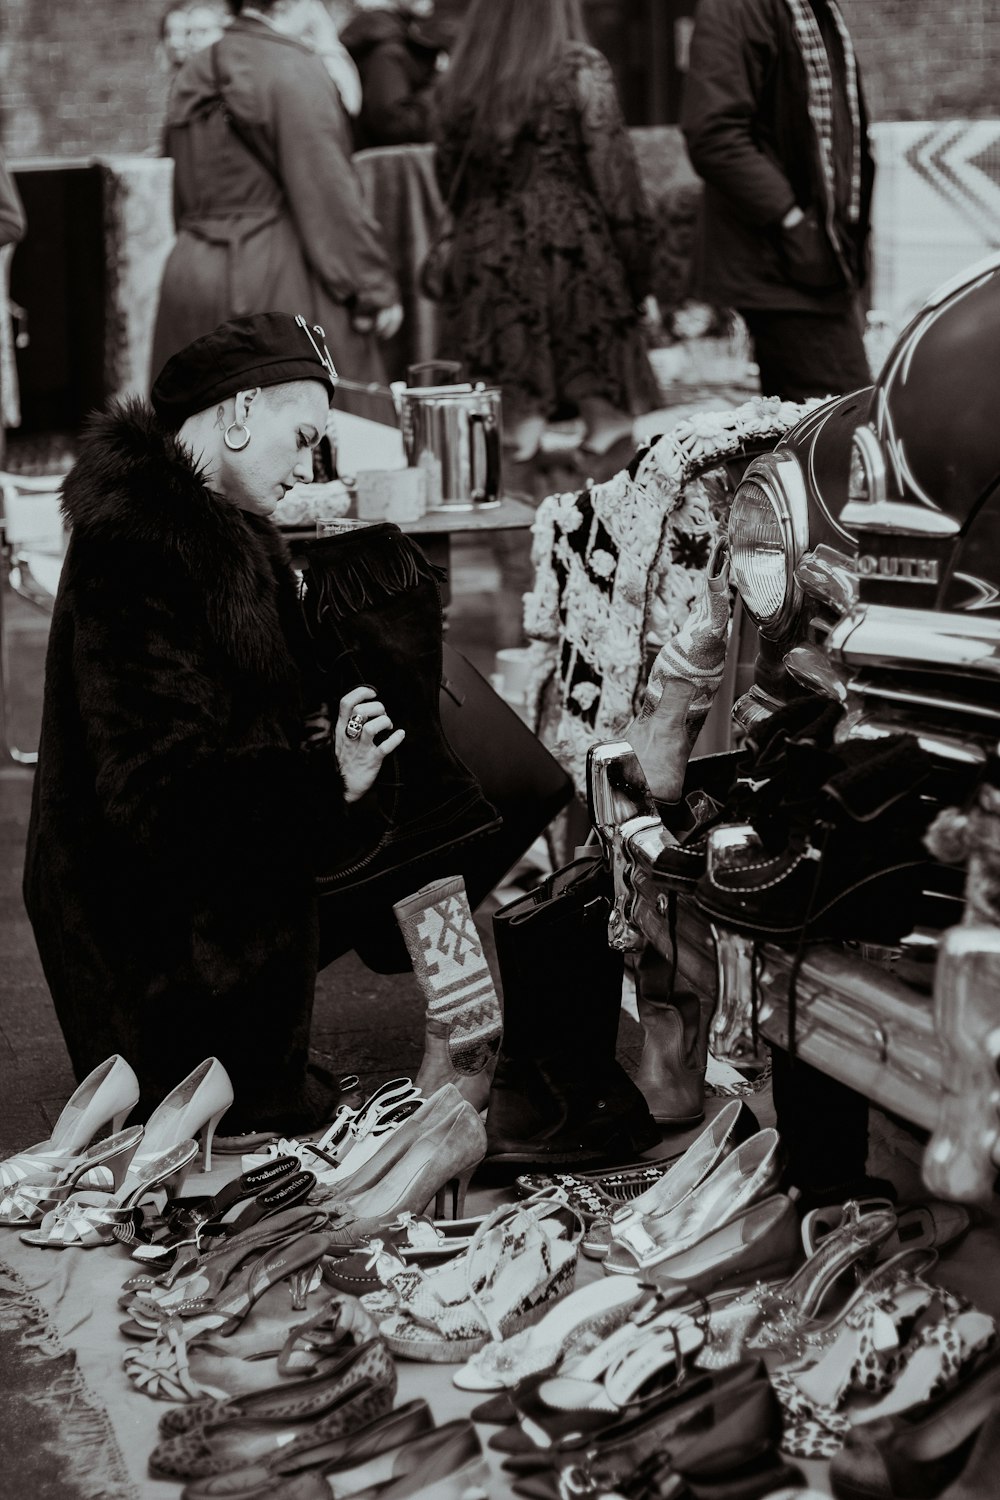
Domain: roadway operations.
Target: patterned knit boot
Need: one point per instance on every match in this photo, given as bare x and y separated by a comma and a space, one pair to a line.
464, 1022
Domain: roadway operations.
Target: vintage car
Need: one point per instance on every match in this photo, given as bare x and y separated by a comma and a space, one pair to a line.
865, 548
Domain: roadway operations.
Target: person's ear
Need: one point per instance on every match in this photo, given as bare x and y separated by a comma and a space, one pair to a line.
243, 403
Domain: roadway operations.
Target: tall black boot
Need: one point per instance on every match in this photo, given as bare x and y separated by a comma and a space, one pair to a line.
373, 607
559, 1097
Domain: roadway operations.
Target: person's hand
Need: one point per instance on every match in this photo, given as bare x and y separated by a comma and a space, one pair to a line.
358, 757
388, 321
793, 217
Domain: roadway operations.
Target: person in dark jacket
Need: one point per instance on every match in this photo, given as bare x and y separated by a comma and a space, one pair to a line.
399, 50
168, 875
269, 210
775, 124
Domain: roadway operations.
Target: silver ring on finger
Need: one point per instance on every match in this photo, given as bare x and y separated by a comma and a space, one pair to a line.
354, 726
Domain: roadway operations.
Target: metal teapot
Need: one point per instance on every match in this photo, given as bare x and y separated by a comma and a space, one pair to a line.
453, 432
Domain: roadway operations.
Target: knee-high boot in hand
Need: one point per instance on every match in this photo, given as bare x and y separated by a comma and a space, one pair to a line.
463, 1012
373, 607
558, 1095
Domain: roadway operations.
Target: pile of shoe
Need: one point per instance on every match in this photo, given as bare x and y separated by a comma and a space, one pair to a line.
833, 834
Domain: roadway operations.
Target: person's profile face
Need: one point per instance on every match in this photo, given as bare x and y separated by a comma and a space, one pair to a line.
285, 424
206, 24
175, 38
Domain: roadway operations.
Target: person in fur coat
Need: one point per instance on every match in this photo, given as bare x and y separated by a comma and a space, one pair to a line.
168, 877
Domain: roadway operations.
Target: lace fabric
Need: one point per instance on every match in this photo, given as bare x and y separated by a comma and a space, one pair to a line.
552, 251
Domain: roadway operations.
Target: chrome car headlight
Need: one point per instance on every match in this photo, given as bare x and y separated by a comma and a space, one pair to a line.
768, 532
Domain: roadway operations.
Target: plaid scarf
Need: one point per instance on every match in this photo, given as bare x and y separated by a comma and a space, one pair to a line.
820, 76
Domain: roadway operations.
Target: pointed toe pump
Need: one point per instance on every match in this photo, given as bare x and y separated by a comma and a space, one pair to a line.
105, 1097
193, 1108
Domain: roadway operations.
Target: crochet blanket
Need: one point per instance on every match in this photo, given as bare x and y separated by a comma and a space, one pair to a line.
618, 567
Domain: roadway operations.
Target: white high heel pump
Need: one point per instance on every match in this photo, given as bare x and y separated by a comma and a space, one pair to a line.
194, 1107
106, 1096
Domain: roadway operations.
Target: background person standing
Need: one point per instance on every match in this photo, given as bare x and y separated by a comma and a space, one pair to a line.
269, 211
775, 124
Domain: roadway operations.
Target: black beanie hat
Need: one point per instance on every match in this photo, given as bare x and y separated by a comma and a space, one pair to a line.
265, 349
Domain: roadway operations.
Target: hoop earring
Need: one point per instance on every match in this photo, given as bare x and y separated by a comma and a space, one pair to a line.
235, 427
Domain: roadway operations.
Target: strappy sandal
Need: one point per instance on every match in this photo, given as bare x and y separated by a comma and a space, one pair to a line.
520, 1262
414, 1239
279, 1184
203, 1271
380, 1113
100, 1166
585, 1316
168, 1349
88, 1219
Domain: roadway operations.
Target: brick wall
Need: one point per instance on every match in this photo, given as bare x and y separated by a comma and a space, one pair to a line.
80, 77
928, 59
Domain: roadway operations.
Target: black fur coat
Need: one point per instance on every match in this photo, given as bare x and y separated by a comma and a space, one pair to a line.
167, 876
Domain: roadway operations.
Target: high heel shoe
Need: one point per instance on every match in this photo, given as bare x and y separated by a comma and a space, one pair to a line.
389, 1148
772, 1316
183, 1219
447, 1155
520, 1261
734, 1124
102, 1166
194, 1107
918, 1453
150, 1300
87, 1219
106, 1096
640, 1241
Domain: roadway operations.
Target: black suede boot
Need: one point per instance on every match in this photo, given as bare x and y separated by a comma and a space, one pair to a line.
372, 605
559, 1097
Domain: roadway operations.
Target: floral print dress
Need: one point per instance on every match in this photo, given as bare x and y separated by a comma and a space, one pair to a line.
552, 251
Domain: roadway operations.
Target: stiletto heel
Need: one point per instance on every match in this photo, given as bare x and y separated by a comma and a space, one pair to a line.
456, 1187
208, 1135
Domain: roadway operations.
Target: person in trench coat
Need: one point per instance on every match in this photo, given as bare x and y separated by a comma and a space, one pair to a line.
268, 208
